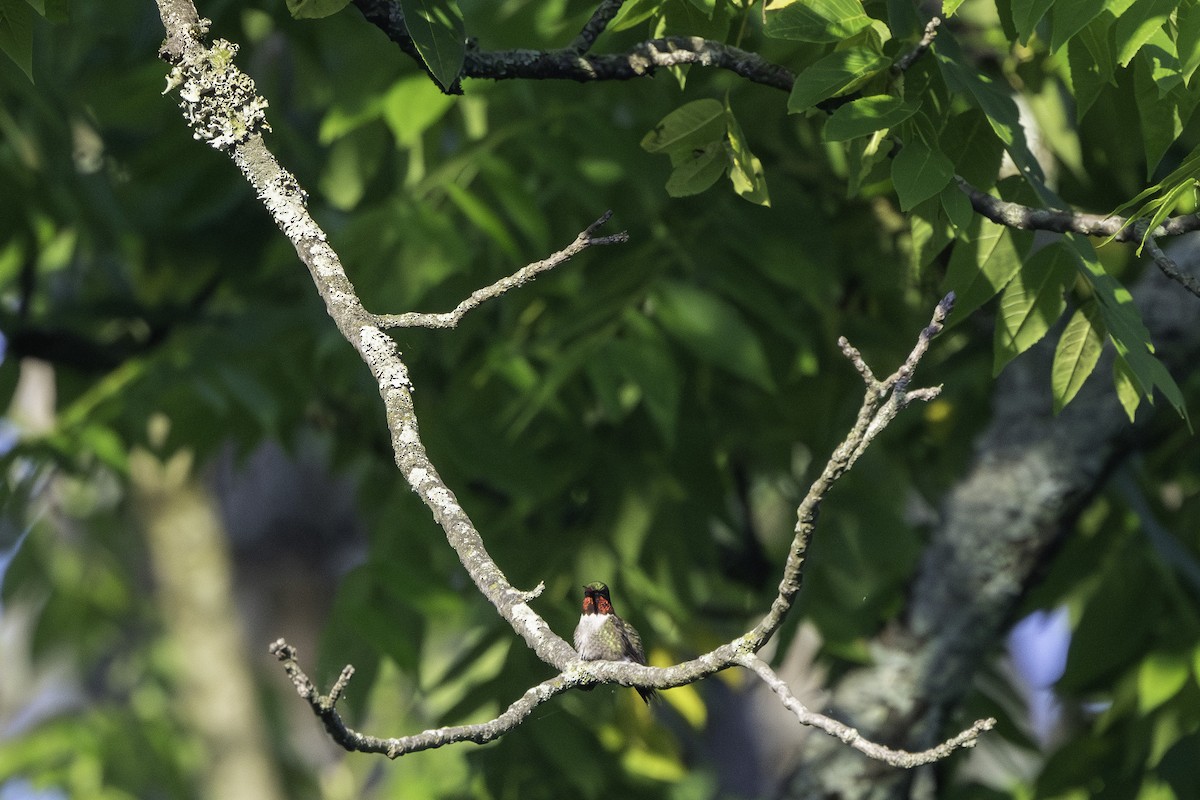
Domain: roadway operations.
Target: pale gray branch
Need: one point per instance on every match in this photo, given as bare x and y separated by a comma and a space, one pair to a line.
851, 736
222, 107
522, 276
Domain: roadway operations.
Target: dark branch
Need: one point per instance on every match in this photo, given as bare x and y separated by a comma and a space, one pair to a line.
1121, 229
573, 62
596, 25
905, 61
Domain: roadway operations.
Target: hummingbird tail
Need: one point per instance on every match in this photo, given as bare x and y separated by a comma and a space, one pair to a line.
647, 694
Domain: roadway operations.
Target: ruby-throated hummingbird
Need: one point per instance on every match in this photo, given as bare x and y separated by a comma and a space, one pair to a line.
603, 636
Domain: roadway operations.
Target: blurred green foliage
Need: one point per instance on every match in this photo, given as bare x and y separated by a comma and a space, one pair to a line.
648, 414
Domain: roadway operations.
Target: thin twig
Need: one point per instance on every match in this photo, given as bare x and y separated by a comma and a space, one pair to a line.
219, 102
905, 61
354, 741
851, 736
522, 276
873, 416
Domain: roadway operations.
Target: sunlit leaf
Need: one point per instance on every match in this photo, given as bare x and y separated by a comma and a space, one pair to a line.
1159, 678
694, 125
1076, 355
814, 20
315, 9
438, 31
867, 115
1032, 302
837, 73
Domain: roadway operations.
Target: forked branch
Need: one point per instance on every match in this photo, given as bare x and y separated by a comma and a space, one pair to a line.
223, 109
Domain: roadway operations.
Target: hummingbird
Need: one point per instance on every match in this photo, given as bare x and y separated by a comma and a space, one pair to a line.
603, 636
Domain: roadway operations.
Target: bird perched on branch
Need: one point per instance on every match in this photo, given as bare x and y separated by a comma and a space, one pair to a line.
603, 636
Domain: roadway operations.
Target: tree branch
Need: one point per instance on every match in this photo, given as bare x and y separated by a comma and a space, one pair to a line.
850, 736
881, 403
354, 741
220, 104
596, 25
574, 63
1121, 229
642, 60
905, 61
522, 276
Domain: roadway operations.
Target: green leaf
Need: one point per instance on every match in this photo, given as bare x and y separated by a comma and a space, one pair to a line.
697, 169
839, 72
1031, 302
983, 265
57, 10
1078, 350
315, 9
1135, 27
646, 361
1068, 17
867, 115
713, 330
919, 172
1187, 38
1135, 351
1026, 14
928, 233
1159, 678
484, 218
1128, 392
1186, 173
16, 34
438, 31
745, 170
972, 146
950, 6
994, 101
412, 106
957, 207
694, 125
1092, 63
633, 13
1163, 108
814, 20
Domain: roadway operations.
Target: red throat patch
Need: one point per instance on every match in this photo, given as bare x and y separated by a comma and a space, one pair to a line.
602, 605
589, 604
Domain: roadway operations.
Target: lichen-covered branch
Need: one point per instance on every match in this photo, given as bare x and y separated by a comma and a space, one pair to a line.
221, 106
324, 707
214, 97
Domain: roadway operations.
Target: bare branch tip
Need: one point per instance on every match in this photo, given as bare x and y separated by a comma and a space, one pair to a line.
339, 686
532, 593
282, 650
605, 217
945, 307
